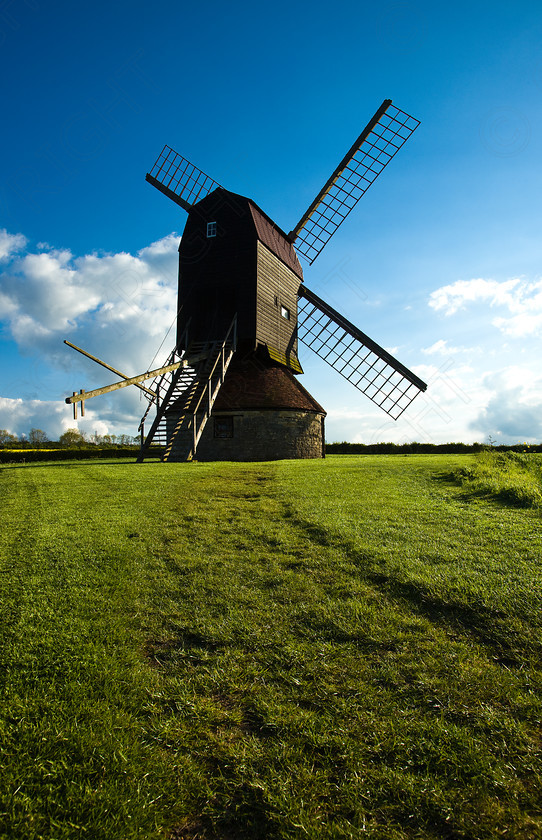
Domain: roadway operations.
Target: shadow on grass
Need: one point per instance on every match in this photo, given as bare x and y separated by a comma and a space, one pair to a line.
244, 814
476, 620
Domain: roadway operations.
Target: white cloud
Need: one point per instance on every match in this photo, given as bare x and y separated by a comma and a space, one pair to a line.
439, 415
460, 404
521, 325
443, 348
456, 295
116, 304
8, 307
10, 243
116, 417
464, 402
19, 416
515, 376
513, 410
161, 249
522, 299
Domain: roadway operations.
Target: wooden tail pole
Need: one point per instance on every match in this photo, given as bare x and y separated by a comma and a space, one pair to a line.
134, 380
108, 367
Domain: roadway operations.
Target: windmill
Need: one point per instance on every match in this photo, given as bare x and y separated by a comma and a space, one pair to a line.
242, 308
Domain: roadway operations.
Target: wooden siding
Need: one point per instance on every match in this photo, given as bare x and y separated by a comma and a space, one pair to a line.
217, 276
277, 287
236, 272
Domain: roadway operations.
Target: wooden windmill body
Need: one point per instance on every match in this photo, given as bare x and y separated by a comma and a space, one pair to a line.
236, 263
243, 306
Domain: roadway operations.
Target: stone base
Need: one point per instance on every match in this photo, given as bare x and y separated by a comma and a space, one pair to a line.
262, 435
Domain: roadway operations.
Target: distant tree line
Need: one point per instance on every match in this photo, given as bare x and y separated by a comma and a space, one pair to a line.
346, 448
72, 444
70, 439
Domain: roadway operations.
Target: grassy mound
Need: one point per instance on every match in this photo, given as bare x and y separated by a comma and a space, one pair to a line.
510, 477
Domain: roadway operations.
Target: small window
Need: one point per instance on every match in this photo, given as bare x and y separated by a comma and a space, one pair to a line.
223, 427
285, 312
211, 230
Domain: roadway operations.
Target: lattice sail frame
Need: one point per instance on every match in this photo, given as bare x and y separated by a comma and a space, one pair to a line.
359, 359
378, 143
179, 179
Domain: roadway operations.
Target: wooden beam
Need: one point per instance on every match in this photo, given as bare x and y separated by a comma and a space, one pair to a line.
170, 194
86, 395
105, 365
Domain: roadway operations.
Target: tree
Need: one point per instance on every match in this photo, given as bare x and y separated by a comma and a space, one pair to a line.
37, 436
71, 437
6, 438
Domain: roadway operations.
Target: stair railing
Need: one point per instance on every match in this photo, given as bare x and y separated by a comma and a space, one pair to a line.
164, 381
210, 393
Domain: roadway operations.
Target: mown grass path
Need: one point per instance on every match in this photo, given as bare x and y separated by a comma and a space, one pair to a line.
338, 649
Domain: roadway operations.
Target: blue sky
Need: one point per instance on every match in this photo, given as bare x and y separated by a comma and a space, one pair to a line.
440, 262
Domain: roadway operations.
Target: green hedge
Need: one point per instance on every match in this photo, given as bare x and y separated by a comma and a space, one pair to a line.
12, 456
17, 456
420, 448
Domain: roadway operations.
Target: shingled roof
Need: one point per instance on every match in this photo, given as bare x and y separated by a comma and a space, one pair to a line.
250, 385
275, 239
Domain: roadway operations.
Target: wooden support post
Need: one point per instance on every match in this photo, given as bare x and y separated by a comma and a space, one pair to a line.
75, 407
82, 391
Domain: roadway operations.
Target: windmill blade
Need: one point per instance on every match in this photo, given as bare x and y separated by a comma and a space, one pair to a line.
179, 179
377, 144
359, 359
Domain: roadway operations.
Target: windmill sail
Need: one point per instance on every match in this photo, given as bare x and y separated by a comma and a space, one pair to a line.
377, 144
179, 179
359, 359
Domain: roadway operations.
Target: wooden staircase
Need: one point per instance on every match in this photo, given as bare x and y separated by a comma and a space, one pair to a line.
186, 397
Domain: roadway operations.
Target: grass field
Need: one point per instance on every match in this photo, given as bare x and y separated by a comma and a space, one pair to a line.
345, 648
